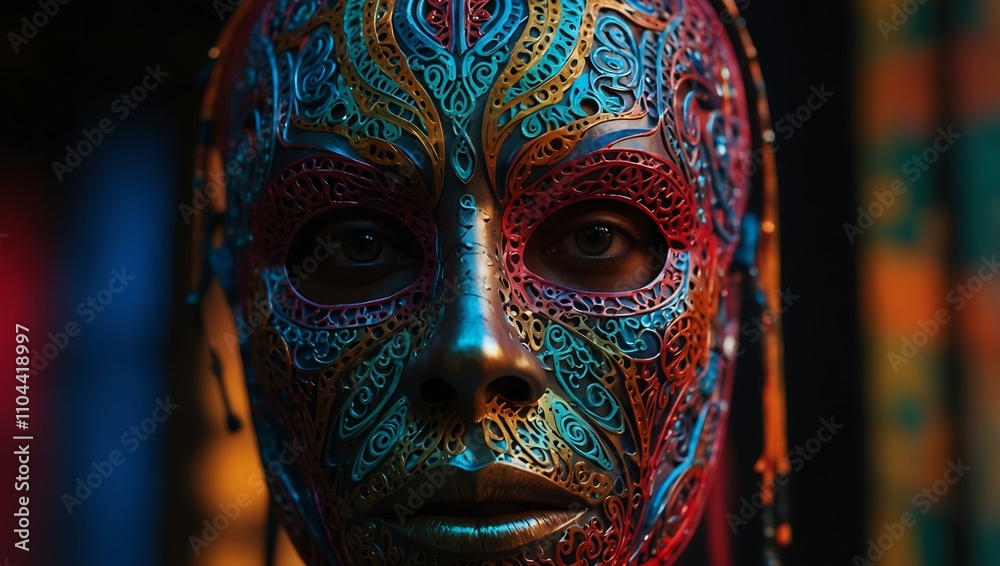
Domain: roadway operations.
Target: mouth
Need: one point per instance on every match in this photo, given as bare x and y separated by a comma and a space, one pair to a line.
491, 511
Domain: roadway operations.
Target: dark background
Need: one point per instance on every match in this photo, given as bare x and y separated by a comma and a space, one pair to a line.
64, 79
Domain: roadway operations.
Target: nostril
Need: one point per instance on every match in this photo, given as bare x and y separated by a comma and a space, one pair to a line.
510, 388
435, 390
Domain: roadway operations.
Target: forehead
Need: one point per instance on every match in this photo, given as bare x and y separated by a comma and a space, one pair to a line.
503, 90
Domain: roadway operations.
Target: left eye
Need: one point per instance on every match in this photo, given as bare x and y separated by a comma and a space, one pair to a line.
595, 240
597, 245
361, 247
352, 255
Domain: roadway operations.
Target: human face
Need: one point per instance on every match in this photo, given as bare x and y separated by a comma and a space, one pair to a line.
489, 243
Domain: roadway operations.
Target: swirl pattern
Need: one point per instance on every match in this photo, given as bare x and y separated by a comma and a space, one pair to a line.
454, 116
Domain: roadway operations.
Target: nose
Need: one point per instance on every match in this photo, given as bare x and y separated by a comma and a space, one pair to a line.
473, 354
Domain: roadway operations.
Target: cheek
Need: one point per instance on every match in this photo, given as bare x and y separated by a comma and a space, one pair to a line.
688, 340
359, 374
686, 365
634, 382
338, 390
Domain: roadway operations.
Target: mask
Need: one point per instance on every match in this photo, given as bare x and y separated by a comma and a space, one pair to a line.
486, 249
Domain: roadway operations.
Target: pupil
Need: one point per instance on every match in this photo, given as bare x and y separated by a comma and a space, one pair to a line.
362, 247
594, 240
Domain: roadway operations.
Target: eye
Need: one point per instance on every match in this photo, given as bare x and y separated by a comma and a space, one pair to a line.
598, 245
352, 255
362, 247
595, 240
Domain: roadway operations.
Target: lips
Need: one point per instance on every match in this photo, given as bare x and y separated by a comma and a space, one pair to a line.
489, 511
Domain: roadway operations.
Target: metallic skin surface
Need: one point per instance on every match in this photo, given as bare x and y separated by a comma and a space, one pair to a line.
482, 413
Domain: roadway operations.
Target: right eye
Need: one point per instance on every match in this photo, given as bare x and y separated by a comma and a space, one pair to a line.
598, 245
352, 255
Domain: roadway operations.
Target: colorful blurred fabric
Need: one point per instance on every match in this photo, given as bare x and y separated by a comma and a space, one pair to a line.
928, 116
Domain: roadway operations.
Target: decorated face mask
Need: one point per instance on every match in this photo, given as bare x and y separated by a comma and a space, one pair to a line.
489, 245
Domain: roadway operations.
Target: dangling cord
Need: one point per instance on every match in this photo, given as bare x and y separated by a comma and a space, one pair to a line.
194, 300
773, 463
750, 259
766, 277
211, 74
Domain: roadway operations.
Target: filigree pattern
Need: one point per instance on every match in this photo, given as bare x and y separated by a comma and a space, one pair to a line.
584, 377
316, 185
636, 177
409, 107
252, 136
390, 78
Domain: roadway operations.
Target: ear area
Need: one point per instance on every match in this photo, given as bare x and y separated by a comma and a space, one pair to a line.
216, 263
214, 259
220, 262
759, 252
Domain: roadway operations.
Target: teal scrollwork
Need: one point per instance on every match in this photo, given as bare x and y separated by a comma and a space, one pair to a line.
582, 374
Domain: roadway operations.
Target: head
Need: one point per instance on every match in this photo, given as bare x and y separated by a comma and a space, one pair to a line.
486, 251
